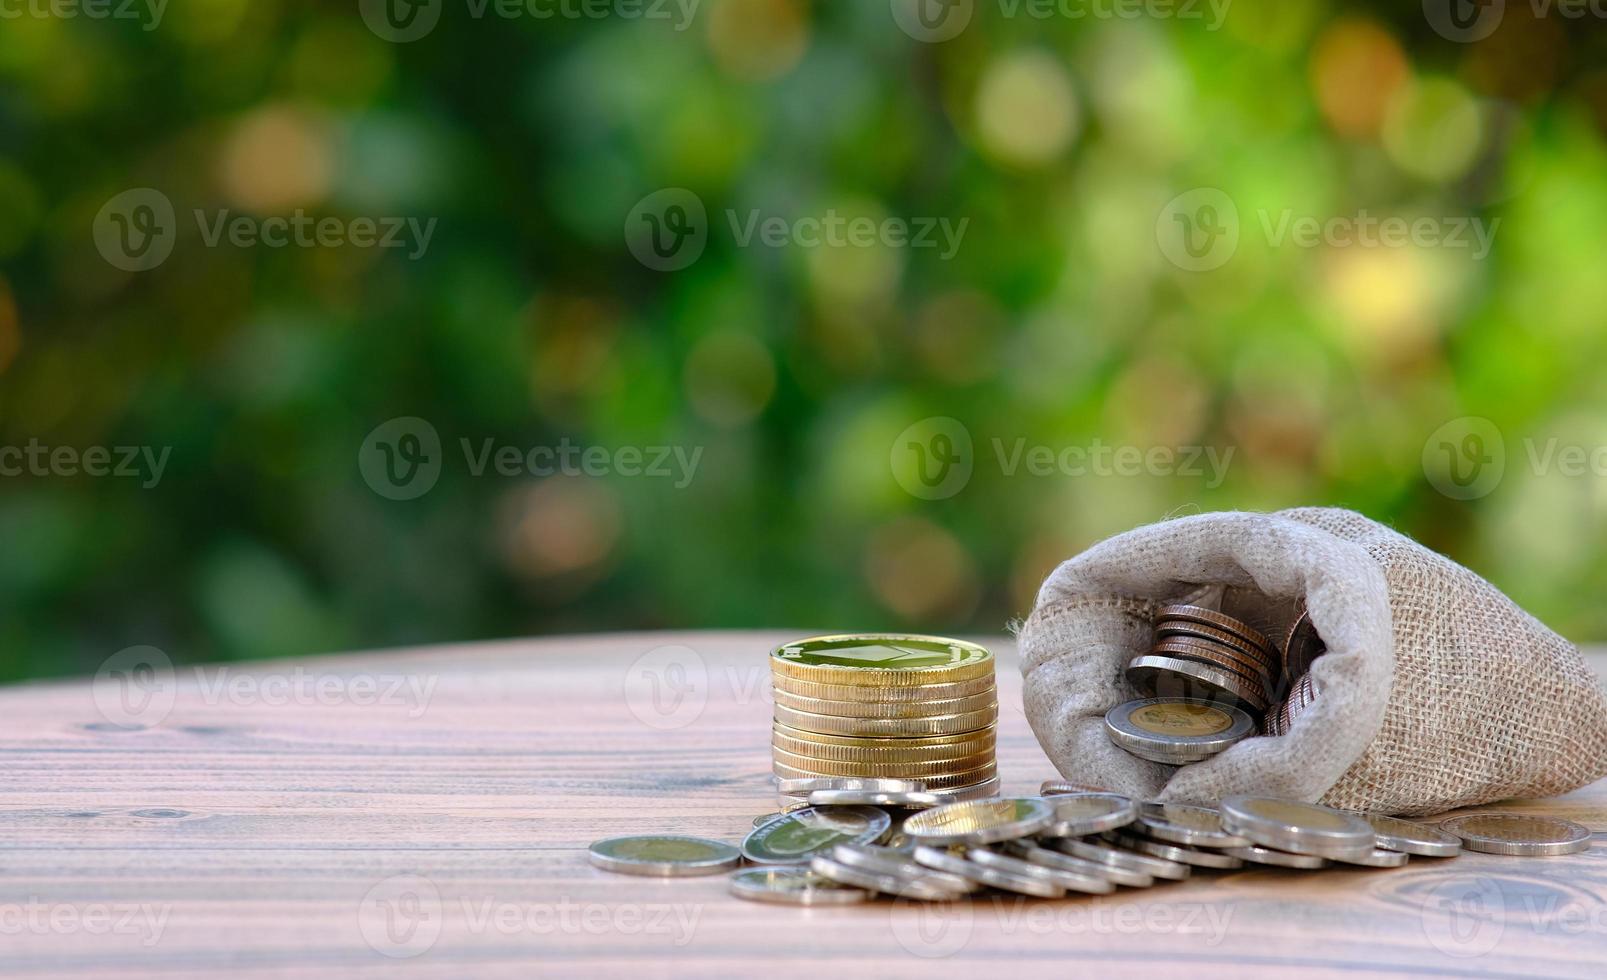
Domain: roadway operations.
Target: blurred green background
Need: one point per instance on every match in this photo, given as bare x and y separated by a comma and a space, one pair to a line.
1058, 321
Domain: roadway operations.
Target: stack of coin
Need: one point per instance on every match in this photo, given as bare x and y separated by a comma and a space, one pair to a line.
1202, 654
921, 710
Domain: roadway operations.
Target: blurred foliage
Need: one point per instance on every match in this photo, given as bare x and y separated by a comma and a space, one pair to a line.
528, 321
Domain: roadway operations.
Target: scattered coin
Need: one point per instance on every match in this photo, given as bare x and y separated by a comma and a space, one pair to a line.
889, 884
885, 860
943, 860
1174, 852
793, 886
1183, 823
1081, 814
1030, 851
1176, 731
871, 797
1378, 857
1057, 787
797, 836
1518, 833
1410, 837
664, 856
1072, 881
764, 818
980, 821
1299, 828
1103, 853
1256, 854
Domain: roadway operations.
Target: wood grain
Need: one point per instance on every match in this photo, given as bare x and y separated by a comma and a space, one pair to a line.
259, 831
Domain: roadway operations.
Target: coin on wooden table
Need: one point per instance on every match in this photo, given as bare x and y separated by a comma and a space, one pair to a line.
794, 886
1071, 881
1518, 833
1411, 837
1101, 852
1171, 678
1210, 617
916, 770
1028, 850
886, 884
1177, 730
1081, 814
1057, 787
765, 818
875, 797
969, 721
664, 856
886, 860
942, 859
786, 802
797, 836
809, 784
881, 660
925, 708
956, 782
1186, 824
1256, 854
972, 791
1300, 828
980, 821
1176, 852
1378, 857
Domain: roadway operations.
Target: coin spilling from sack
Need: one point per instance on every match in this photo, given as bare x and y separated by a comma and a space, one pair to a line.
879, 707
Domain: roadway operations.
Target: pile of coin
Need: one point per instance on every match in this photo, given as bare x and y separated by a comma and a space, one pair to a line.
921, 710
842, 850
1202, 654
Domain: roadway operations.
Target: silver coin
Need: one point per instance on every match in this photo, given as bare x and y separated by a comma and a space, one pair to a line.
1081, 814
942, 860
1101, 852
1378, 857
847, 874
980, 821
875, 797
1174, 852
664, 856
1256, 854
764, 818
787, 804
1181, 729
1028, 851
1069, 880
1410, 837
976, 791
1518, 833
807, 785
795, 837
882, 860
1299, 828
1059, 787
1184, 823
794, 886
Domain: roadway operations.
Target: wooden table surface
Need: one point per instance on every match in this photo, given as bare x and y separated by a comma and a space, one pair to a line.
426, 812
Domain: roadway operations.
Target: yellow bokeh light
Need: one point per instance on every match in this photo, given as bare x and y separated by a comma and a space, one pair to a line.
921, 571
1026, 109
1356, 68
276, 158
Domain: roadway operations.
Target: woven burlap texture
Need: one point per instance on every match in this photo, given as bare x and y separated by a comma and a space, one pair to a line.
1437, 691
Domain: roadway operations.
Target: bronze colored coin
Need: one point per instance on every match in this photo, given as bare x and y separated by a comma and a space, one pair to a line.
1214, 654
885, 709
1263, 659
934, 782
1210, 617
809, 721
872, 694
1301, 645
924, 771
1172, 677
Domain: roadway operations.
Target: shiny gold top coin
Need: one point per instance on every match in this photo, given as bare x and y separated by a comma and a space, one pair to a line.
881, 659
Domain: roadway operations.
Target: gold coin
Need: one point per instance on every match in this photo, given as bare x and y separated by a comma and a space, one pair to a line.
881, 660
978, 739
880, 694
889, 754
885, 709
810, 721
895, 770
945, 781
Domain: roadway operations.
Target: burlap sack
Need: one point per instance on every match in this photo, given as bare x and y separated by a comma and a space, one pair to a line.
1437, 691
